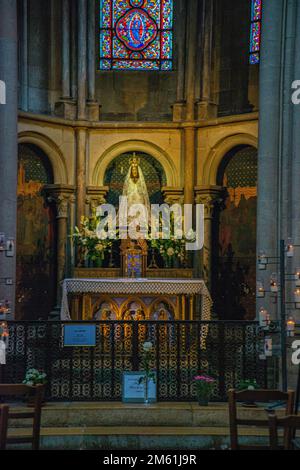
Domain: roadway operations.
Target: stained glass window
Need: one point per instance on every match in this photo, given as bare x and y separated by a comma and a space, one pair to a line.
255, 32
136, 34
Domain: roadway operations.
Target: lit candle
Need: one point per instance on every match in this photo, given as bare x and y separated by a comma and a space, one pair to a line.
260, 291
268, 346
264, 318
290, 327
297, 277
297, 298
274, 283
262, 261
290, 248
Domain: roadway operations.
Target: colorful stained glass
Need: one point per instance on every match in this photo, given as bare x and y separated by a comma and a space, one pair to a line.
255, 31
136, 34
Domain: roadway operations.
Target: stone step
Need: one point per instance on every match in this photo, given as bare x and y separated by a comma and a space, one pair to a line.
91, 415
144, 437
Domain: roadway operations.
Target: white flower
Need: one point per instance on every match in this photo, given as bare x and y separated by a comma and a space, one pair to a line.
170, 251
147, 346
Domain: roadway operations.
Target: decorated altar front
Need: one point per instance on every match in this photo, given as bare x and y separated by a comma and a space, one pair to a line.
134, 299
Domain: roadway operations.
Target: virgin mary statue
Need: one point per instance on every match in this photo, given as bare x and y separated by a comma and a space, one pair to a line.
134, 191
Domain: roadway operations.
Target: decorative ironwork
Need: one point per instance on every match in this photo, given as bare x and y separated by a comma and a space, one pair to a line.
231, 354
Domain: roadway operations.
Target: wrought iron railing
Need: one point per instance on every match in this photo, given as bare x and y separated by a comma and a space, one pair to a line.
228, 351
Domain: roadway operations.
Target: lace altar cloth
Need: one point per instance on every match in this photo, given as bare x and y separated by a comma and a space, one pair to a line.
127, 286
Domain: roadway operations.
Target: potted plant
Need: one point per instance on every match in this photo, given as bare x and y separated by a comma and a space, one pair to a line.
34, 377
248, 384
146, 364
204, 387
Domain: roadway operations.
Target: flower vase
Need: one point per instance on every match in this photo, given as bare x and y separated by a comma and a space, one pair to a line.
202, 401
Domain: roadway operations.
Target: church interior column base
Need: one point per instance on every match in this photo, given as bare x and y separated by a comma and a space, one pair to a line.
93, 110
66, 108
179, 111
206, 110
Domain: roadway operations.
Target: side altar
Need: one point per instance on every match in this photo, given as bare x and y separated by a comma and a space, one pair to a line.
143, 277
134, 299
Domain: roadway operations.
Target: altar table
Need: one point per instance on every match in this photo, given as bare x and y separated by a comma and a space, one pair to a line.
183, 289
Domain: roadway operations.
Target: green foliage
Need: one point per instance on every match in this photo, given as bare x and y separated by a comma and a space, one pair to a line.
248, 384
35, 377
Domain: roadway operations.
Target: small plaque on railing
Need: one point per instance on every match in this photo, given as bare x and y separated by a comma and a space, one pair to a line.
80, 335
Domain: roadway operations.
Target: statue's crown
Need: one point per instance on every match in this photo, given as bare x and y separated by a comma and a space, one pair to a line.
134, 161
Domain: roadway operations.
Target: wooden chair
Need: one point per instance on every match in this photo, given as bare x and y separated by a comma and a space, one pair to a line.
290, 424
37, 395
258, 396
4, 409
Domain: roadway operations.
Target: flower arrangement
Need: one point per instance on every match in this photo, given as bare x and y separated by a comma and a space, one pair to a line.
34, 377
146, 365
172, 248
204, 385
92, 247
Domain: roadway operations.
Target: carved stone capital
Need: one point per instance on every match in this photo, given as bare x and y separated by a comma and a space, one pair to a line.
96, 196
210, 197
61, 196
172, 195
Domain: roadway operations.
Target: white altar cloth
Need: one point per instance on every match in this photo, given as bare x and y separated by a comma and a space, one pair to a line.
123, 286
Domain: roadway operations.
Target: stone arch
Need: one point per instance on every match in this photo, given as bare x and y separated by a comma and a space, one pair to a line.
220, 150
52, 151
234, 235
135, 146
36, 262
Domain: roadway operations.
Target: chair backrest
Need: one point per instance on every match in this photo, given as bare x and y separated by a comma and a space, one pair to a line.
289, 423
4, 409
36, 395
257, 396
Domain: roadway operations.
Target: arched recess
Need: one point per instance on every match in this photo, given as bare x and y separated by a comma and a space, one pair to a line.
220, 150
36, 236
53, 152
129, 146
234, 236
153, 172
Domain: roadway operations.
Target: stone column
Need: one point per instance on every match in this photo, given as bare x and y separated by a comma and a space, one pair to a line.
60, 195
189, 163
205, 107
93, 108
8, 146
66, 77
209, 196
24, 56
191, 59
81, 144
96, 196
82, 60
66, 107
189, 129
269, 186
179, 106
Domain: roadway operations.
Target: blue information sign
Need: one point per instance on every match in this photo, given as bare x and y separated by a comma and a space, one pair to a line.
80, 335
134, 392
